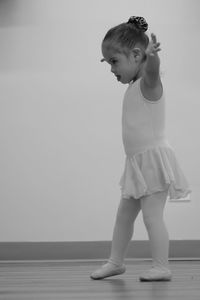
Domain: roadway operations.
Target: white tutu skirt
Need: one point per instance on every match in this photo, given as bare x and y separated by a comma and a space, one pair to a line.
151, 171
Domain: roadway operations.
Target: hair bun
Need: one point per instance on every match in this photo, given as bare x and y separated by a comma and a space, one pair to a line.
139, 22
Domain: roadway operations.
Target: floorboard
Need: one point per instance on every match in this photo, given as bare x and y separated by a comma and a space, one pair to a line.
56, 280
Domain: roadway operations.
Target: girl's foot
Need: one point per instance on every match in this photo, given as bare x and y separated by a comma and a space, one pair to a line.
156, 274
108, 270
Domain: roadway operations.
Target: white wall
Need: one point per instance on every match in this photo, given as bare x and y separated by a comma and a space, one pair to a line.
61, 154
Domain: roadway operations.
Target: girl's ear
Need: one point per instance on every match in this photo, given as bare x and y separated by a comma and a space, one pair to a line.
137, 53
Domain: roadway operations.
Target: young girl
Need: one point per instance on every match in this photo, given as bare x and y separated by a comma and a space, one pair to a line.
151, 169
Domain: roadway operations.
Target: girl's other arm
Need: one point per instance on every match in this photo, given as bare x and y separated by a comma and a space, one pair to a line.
151, 75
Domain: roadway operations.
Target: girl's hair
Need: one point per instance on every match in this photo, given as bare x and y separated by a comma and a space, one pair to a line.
125, 36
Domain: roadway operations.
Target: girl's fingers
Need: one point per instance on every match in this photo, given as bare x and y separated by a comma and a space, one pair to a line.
153, 53
154, 46
153, 37
154, 40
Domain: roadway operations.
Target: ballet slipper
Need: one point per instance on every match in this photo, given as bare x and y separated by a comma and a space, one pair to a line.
108, 270
156, 274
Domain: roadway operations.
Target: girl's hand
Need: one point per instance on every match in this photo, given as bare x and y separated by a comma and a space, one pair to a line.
153, 46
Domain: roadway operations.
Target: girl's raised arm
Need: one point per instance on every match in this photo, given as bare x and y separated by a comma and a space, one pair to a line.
151, 74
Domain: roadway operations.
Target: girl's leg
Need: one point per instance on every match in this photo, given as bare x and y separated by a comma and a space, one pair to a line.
123, 230
152, 209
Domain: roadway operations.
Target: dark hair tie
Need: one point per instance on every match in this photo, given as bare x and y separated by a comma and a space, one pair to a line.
139, 22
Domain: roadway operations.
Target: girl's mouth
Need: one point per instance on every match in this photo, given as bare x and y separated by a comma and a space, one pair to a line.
118, 77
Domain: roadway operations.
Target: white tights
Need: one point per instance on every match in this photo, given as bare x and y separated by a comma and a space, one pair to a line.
152, 207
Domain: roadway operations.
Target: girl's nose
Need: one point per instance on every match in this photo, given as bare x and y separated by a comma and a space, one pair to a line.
112, 70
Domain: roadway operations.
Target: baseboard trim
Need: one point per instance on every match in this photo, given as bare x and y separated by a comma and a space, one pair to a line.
187, 249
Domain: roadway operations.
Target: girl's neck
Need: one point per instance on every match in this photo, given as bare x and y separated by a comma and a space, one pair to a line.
138, 74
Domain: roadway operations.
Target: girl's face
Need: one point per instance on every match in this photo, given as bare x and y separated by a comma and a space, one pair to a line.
125, 68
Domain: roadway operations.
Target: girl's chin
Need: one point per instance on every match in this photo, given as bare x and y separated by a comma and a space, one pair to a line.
122, 80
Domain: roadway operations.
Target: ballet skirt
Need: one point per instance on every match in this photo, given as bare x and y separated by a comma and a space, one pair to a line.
150, 164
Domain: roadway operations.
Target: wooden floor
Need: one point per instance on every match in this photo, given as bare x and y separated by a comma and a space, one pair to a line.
57, 280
